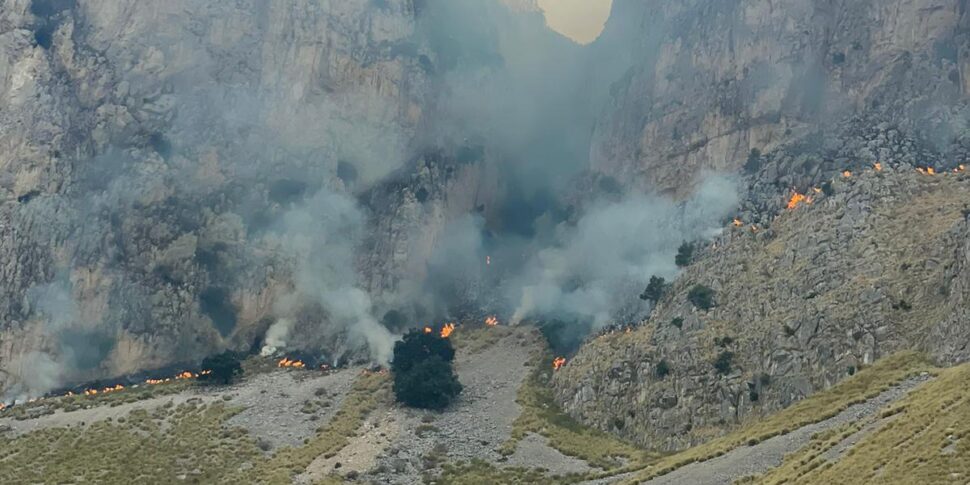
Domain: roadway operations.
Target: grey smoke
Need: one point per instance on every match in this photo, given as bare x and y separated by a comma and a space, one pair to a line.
502, 80
69, 345
596, 268
321, 236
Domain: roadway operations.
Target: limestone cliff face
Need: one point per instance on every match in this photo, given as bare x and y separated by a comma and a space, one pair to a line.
148, 148
715, 80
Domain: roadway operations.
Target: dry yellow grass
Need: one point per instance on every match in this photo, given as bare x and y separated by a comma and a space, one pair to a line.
823, 405
926, 441
367, 393
185, 444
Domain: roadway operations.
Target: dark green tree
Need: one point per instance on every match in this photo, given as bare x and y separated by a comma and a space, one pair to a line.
701, 297
655, 289
722, 364
685, 255
428, 384
417, 346
223, 368
423, 373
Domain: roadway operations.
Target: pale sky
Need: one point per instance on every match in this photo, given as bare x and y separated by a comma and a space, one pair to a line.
580, 20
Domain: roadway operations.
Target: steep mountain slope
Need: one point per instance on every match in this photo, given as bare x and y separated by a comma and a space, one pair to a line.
879, 265
714, 80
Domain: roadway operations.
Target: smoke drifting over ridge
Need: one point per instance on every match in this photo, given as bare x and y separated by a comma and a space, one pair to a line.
240, 204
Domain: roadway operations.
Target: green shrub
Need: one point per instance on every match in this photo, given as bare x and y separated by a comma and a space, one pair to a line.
685, 254
655, 289
663, 369
677, 322
423, 374
417, 346
429, 384
753, 164
223, 368
701, 297
723, 362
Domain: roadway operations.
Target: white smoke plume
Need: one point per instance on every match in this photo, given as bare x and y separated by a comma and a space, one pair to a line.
321, 236
597, 267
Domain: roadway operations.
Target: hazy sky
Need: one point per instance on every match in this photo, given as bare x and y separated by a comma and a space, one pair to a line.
580, 20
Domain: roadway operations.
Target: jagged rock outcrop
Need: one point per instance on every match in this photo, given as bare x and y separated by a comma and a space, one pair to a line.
877, 265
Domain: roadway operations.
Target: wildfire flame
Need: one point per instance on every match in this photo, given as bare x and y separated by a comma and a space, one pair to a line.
447, 329
737, 222
286, 362
846, 174
796, 199
877, 166
558, 362
428, 330
959, 168
926, 171
491, 321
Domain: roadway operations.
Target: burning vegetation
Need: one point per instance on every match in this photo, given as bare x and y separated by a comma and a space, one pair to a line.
797, 199
287, 362
558, 362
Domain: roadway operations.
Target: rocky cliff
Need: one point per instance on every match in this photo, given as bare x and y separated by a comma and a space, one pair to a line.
878, 265
149, 149
842, 102
714, 81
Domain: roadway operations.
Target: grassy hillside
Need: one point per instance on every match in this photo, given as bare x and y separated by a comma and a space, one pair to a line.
920, 440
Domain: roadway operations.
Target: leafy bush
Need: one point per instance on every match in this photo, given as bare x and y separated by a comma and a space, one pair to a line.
224, 368
701, 297
423, 374
685, 254
429, 384
723, 362
677, 322
662, 369
655, 289
417, 346
827, 188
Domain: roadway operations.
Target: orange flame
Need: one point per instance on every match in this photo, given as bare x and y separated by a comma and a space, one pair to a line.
959, 168
286, 362
877, 166
558, 362
846, 174
926, 171
796, 199
737, 222
491, 321
447, 329
428, 330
